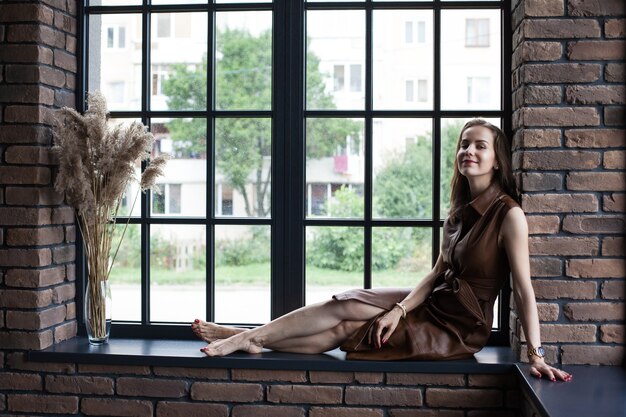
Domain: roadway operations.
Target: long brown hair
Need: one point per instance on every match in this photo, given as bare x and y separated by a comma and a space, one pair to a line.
460, 191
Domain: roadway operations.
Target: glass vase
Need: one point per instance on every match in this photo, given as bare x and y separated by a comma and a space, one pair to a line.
98, 303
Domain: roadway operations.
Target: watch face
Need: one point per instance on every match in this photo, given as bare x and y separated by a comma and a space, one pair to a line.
541, 351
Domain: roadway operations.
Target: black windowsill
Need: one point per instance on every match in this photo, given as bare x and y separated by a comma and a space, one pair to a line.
185, 353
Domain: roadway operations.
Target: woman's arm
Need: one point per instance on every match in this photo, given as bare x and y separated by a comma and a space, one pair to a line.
514, 238
386, 324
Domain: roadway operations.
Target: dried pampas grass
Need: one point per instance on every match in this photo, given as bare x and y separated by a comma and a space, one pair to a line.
96, 164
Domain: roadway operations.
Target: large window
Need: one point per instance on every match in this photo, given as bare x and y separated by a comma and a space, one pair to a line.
312, 146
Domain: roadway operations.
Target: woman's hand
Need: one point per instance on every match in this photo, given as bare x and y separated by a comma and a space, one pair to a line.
538, 368
383, 327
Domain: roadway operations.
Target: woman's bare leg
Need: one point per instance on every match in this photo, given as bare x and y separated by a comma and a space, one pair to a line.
318, 343
210, 332
311, 320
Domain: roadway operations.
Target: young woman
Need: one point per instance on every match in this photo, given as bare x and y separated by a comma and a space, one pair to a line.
449, 314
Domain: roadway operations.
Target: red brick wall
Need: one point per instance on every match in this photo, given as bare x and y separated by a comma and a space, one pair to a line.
568, 119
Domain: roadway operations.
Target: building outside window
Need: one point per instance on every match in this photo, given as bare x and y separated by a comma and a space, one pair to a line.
280, 163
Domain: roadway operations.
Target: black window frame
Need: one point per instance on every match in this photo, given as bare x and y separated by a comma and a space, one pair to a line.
288, 220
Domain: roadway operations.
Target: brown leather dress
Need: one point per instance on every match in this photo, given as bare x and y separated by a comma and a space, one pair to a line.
455, 321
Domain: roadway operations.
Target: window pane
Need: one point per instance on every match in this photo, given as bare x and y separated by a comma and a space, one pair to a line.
472, 54
243, 163
114, 2
398, 62
335, 170
183, 184
450, 131
242, 274
244, 61
179, 1
334, 261
125, 275
401, 256
178, 61
402, 160
332, 42
115, 59
177, 272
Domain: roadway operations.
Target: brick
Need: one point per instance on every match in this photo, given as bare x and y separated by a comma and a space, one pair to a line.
63, 293
615, 160
26, 54
613, 246
614, 73
265, 375
540, 94
343, 412
64, 98
11, 134
35, 278
615, 28
64, 60
561, 28
35, 236
544, 181
271, 410
24, 175
70, 234
385, 396
145, 387
70, 44
592, 355
70, 272
114, 369
35, 74
57, 4
559, 203
463, 398
63, 215
559, 333
561, 73
596, 50
12, 381
556, 289
596, 94
29, 114
13, 216
612, 333
596, 181
25, 298
29, 155
537, 51
537, 138
202, 373
596, 8
63, 384
548, 312
425, 413
614, 115
329, 377
35, 320
545, 267
42, 403
31, 94
12, 13
228, 392
491, 413
70, 311
63, 254
613, 290
594, 311
307, 394
39, 34
116, 407
453, 380
595, 138
559, 116
19, 361
492, 380
559, 160
596, 268
177, 409
536, 8
543, 224
593, 224
65, 331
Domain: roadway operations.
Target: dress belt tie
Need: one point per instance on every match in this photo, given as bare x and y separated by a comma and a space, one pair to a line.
463, 292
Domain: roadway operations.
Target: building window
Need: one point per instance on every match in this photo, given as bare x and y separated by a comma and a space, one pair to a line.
357, 169
476, 32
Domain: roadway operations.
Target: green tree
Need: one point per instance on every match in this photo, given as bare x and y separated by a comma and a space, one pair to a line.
243, 82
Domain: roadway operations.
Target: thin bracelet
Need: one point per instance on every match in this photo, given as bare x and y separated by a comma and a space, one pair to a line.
403, 308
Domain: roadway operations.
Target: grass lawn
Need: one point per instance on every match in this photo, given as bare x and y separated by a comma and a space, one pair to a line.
259, 274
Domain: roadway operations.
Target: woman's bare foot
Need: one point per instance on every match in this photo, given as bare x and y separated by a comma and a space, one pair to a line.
210, 332
234, 343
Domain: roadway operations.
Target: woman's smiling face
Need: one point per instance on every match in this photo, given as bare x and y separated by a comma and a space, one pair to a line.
476, 156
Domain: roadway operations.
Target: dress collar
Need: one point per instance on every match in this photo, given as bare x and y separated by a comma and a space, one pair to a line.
483, 200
